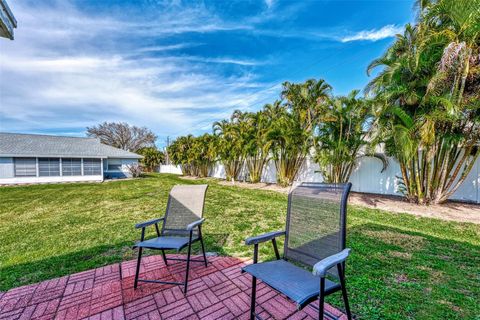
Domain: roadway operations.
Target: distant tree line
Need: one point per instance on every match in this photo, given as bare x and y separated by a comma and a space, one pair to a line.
423, 107
307, 119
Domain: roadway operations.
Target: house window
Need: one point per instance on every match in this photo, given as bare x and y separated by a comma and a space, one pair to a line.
48, 167
114, 165
71, 167
92, 167
25, 167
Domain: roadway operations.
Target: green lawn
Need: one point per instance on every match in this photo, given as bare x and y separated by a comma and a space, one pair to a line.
402, 267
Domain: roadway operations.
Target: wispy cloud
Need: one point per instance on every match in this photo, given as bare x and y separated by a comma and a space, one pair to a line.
71, 65
374, 34
66, 74
224, 60
171, 47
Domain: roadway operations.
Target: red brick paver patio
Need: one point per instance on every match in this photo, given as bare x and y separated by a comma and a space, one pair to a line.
219, 291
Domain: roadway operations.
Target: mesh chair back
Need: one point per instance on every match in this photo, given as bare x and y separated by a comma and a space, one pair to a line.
316, 222
185, 205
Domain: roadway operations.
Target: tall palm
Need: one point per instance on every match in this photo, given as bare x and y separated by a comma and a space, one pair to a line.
203, 154
256, 146
342, 136
292, 122
230, 146
180, 154
288, 142
429, 88
305, 99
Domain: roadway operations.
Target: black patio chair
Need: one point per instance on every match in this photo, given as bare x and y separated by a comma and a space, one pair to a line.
314, 239
182, 226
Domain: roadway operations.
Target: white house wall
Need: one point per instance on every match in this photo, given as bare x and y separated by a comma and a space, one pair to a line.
125, 170
7, 173
126, 163
366, 177
6, 168
57, 179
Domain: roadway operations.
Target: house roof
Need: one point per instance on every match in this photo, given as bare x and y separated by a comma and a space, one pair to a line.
35, 145
7, 21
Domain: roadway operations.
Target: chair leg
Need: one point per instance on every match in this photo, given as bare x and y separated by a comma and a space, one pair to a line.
137, 272
200, 236
164, 257
275, 248
253, 298
341, 275
188, 267
322, 299
203, 252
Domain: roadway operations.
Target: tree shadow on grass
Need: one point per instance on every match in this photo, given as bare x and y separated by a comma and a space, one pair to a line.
65, 264
393, 274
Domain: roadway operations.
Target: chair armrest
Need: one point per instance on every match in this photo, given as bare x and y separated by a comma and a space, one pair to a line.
320, 268
264, 237
148, 223
195, 224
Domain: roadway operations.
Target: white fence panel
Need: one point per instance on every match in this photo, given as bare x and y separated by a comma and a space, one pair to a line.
469, 190
309, 172
366, 177
170, 169
218, 171
269, 174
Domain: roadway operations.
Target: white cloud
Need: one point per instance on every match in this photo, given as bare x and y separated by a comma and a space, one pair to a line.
67, 69
171, 47
224, 60
374, 34
69, 73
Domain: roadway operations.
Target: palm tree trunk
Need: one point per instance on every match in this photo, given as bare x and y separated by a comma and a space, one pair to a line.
462, 178
417, 174
405, 178
464, 75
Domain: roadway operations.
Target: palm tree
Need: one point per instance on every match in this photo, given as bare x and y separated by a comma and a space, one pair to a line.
152, 158
179, 152
429, 92
195, 155
205, 150
305, 99
230, 145
287, 142
292, 122
342, 136
256, 146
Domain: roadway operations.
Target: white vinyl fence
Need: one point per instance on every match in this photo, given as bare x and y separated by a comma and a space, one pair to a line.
367, 177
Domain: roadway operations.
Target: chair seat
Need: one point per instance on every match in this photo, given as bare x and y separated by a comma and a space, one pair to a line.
166, 242
296, 283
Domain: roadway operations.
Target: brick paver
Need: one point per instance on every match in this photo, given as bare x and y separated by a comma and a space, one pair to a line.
219, 291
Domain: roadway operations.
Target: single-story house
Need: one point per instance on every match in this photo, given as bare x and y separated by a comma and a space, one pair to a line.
32, 158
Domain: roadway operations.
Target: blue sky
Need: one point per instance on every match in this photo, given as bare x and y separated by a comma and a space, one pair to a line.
175, 66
